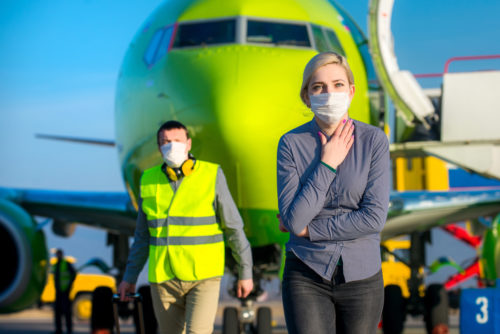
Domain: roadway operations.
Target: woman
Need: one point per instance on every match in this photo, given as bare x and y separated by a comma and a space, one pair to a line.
333, 193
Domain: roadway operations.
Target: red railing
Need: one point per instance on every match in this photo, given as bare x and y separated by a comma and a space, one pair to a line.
447, 64
449, 61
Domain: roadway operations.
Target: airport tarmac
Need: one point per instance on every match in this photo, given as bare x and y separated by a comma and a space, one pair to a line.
40, 321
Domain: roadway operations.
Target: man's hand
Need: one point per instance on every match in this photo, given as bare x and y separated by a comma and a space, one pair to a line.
125, 288
245, 286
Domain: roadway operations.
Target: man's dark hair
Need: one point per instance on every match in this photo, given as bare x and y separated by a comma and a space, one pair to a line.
169, 125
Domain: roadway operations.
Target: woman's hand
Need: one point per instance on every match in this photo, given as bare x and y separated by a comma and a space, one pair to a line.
281, 226
335, 150
303, 233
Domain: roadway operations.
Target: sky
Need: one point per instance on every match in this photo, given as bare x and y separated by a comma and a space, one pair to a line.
60, 59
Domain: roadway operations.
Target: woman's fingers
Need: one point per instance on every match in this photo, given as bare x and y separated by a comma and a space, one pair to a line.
340, 128
346, 128
335, 150
350, 131
322, 138
350, 142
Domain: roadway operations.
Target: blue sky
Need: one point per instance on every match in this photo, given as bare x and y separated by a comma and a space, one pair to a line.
60, 60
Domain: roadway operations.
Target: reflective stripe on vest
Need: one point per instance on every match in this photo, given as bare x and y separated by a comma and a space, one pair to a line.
186, 241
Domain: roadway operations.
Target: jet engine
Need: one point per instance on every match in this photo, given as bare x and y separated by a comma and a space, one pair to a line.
24, 258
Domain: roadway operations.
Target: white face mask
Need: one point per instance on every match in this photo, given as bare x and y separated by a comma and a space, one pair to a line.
330, 107
174, 153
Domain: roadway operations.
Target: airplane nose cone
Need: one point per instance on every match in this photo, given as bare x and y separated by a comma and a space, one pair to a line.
253, 95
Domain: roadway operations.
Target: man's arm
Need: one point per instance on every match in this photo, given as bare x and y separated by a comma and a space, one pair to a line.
139, 251
372, 213
232, 224
137, 256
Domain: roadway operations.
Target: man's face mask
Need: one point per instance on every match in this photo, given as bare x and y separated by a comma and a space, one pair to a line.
174, 153
330, 107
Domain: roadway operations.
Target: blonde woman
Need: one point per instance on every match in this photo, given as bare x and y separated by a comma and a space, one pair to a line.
333, 193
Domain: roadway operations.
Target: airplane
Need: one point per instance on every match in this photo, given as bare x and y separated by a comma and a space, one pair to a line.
231, 72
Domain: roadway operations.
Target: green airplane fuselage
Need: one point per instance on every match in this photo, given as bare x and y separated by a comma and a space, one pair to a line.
236, 99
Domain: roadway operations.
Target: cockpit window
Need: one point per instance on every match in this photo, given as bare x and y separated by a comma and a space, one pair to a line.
334, 42
205, 33
319, 39
232, 30
159, 45
326, 40
277, 33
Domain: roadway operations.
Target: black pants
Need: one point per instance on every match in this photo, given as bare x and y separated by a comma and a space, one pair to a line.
315, 305
62, 306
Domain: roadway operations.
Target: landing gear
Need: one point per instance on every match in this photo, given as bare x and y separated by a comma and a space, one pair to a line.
231, 323
436, 306
264, 320
267, 261
393, 314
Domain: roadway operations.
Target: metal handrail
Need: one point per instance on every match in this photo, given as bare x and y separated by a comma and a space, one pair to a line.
447, 64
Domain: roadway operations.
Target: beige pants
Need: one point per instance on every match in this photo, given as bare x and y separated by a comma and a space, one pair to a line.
186, 307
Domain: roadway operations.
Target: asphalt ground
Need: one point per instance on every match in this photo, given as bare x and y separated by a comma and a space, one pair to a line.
40, 321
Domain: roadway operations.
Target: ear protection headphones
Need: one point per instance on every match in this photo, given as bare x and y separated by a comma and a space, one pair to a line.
185, 169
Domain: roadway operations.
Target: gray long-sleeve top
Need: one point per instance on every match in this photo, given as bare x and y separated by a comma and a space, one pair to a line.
227, 215
344, 211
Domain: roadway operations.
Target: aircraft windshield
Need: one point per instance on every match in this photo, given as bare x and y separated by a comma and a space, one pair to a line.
326, 40
159, 45
277, 33
231, 31
205, 33
319, 39
334, 42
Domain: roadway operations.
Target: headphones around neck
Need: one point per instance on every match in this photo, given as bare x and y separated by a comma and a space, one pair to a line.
187, 167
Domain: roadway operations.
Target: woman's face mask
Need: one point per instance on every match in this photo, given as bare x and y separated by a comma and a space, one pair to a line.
330, 107
174, 153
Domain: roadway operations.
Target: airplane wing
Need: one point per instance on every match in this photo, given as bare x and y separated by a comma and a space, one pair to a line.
91, 141
111, 211
423, 210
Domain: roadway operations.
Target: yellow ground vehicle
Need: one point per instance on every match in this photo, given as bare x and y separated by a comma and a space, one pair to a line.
396, 272
81, 292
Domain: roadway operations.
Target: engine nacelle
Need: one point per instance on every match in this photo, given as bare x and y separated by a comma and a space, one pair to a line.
24, 258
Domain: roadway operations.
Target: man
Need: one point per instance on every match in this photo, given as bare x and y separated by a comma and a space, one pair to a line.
185, 207
64, 275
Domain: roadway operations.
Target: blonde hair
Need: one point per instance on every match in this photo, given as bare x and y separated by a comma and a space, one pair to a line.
320, 60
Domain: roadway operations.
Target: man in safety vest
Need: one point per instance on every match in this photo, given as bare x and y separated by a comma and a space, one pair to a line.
64, 275
185, 210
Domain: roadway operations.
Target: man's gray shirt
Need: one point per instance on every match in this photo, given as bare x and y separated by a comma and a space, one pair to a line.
344, 211
227, 215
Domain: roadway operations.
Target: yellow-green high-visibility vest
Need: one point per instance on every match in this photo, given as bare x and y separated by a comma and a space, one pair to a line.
64, 275
186, 241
